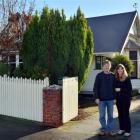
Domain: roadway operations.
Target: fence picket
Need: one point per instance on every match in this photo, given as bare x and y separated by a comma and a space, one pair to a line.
22, 98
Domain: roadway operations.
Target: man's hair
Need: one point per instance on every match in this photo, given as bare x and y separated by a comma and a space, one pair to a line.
106, 62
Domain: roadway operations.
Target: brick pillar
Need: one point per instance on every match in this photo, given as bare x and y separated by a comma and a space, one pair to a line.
52, 106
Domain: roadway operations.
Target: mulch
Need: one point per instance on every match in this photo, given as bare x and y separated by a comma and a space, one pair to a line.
84, 101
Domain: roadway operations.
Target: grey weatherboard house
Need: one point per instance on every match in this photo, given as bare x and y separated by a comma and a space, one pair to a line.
114, 34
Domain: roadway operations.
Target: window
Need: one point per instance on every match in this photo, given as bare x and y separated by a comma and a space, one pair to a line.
99, 61
133, 55
12, 58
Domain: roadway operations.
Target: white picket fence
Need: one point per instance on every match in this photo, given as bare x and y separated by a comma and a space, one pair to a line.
22, 98
69, 98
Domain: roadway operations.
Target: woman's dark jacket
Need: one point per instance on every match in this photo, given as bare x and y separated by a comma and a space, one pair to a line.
125, 86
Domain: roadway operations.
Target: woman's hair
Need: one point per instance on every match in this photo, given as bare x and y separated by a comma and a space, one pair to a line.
124, 75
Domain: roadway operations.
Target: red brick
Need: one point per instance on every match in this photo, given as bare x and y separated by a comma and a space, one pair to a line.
52, 107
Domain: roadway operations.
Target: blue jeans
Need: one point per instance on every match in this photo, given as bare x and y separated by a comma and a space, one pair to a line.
106, 125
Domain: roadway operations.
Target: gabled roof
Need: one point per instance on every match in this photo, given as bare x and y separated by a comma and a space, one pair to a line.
132, 45
110, 32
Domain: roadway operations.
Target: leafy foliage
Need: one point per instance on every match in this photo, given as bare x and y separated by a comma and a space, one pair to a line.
122, 59
30, 44
3, 69
56, 47
81, 48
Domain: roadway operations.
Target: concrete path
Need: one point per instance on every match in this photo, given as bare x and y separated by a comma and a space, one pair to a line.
87, 129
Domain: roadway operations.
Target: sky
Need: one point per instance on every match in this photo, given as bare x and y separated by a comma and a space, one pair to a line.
90, 8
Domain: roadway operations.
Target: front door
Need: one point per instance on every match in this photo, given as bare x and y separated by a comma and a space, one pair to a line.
133, 57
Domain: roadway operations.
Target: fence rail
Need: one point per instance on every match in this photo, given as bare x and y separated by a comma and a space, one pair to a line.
22, 98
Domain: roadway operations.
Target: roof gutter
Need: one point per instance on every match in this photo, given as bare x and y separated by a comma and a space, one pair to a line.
100, 53
107, 54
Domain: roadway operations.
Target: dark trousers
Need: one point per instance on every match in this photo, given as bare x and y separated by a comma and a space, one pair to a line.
123, 106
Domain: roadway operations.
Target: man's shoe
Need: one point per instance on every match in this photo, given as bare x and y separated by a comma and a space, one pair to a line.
127, 134
101, 133
112, 133
120, 132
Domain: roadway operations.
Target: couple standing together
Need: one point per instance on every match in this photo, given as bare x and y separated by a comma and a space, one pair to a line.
109, 87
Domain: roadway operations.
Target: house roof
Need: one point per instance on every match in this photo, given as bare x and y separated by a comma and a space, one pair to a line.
110, 32
132, 45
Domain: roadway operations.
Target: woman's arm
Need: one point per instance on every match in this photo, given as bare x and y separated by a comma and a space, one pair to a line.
128, 87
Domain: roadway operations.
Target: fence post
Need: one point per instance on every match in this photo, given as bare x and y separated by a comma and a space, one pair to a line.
52, 106
46, 82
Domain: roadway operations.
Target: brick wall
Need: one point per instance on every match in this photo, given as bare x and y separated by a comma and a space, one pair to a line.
52, 106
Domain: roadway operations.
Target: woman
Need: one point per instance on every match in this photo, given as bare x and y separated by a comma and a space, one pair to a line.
123, 89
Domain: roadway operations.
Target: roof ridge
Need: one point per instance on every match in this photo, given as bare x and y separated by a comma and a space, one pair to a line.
112, 14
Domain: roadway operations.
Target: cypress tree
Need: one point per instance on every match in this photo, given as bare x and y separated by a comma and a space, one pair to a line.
81, 48
43, 40
30, 45
58, 44
58, 47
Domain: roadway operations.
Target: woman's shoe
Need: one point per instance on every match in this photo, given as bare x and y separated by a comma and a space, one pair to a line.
127, 134
120, 132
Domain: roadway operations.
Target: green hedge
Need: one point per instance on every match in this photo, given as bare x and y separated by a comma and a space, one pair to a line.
3, 69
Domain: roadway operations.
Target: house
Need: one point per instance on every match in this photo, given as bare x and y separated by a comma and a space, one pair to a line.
11, 39
114, 34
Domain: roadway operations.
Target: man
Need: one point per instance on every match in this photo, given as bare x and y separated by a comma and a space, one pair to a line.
104, 96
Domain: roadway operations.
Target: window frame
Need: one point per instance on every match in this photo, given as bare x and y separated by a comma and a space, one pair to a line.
102, 59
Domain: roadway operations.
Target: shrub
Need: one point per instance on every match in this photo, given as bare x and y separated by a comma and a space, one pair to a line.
3, 69
122, 59
135, 92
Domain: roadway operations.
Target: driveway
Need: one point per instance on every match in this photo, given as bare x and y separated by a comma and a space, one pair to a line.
12, 128
87, 129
